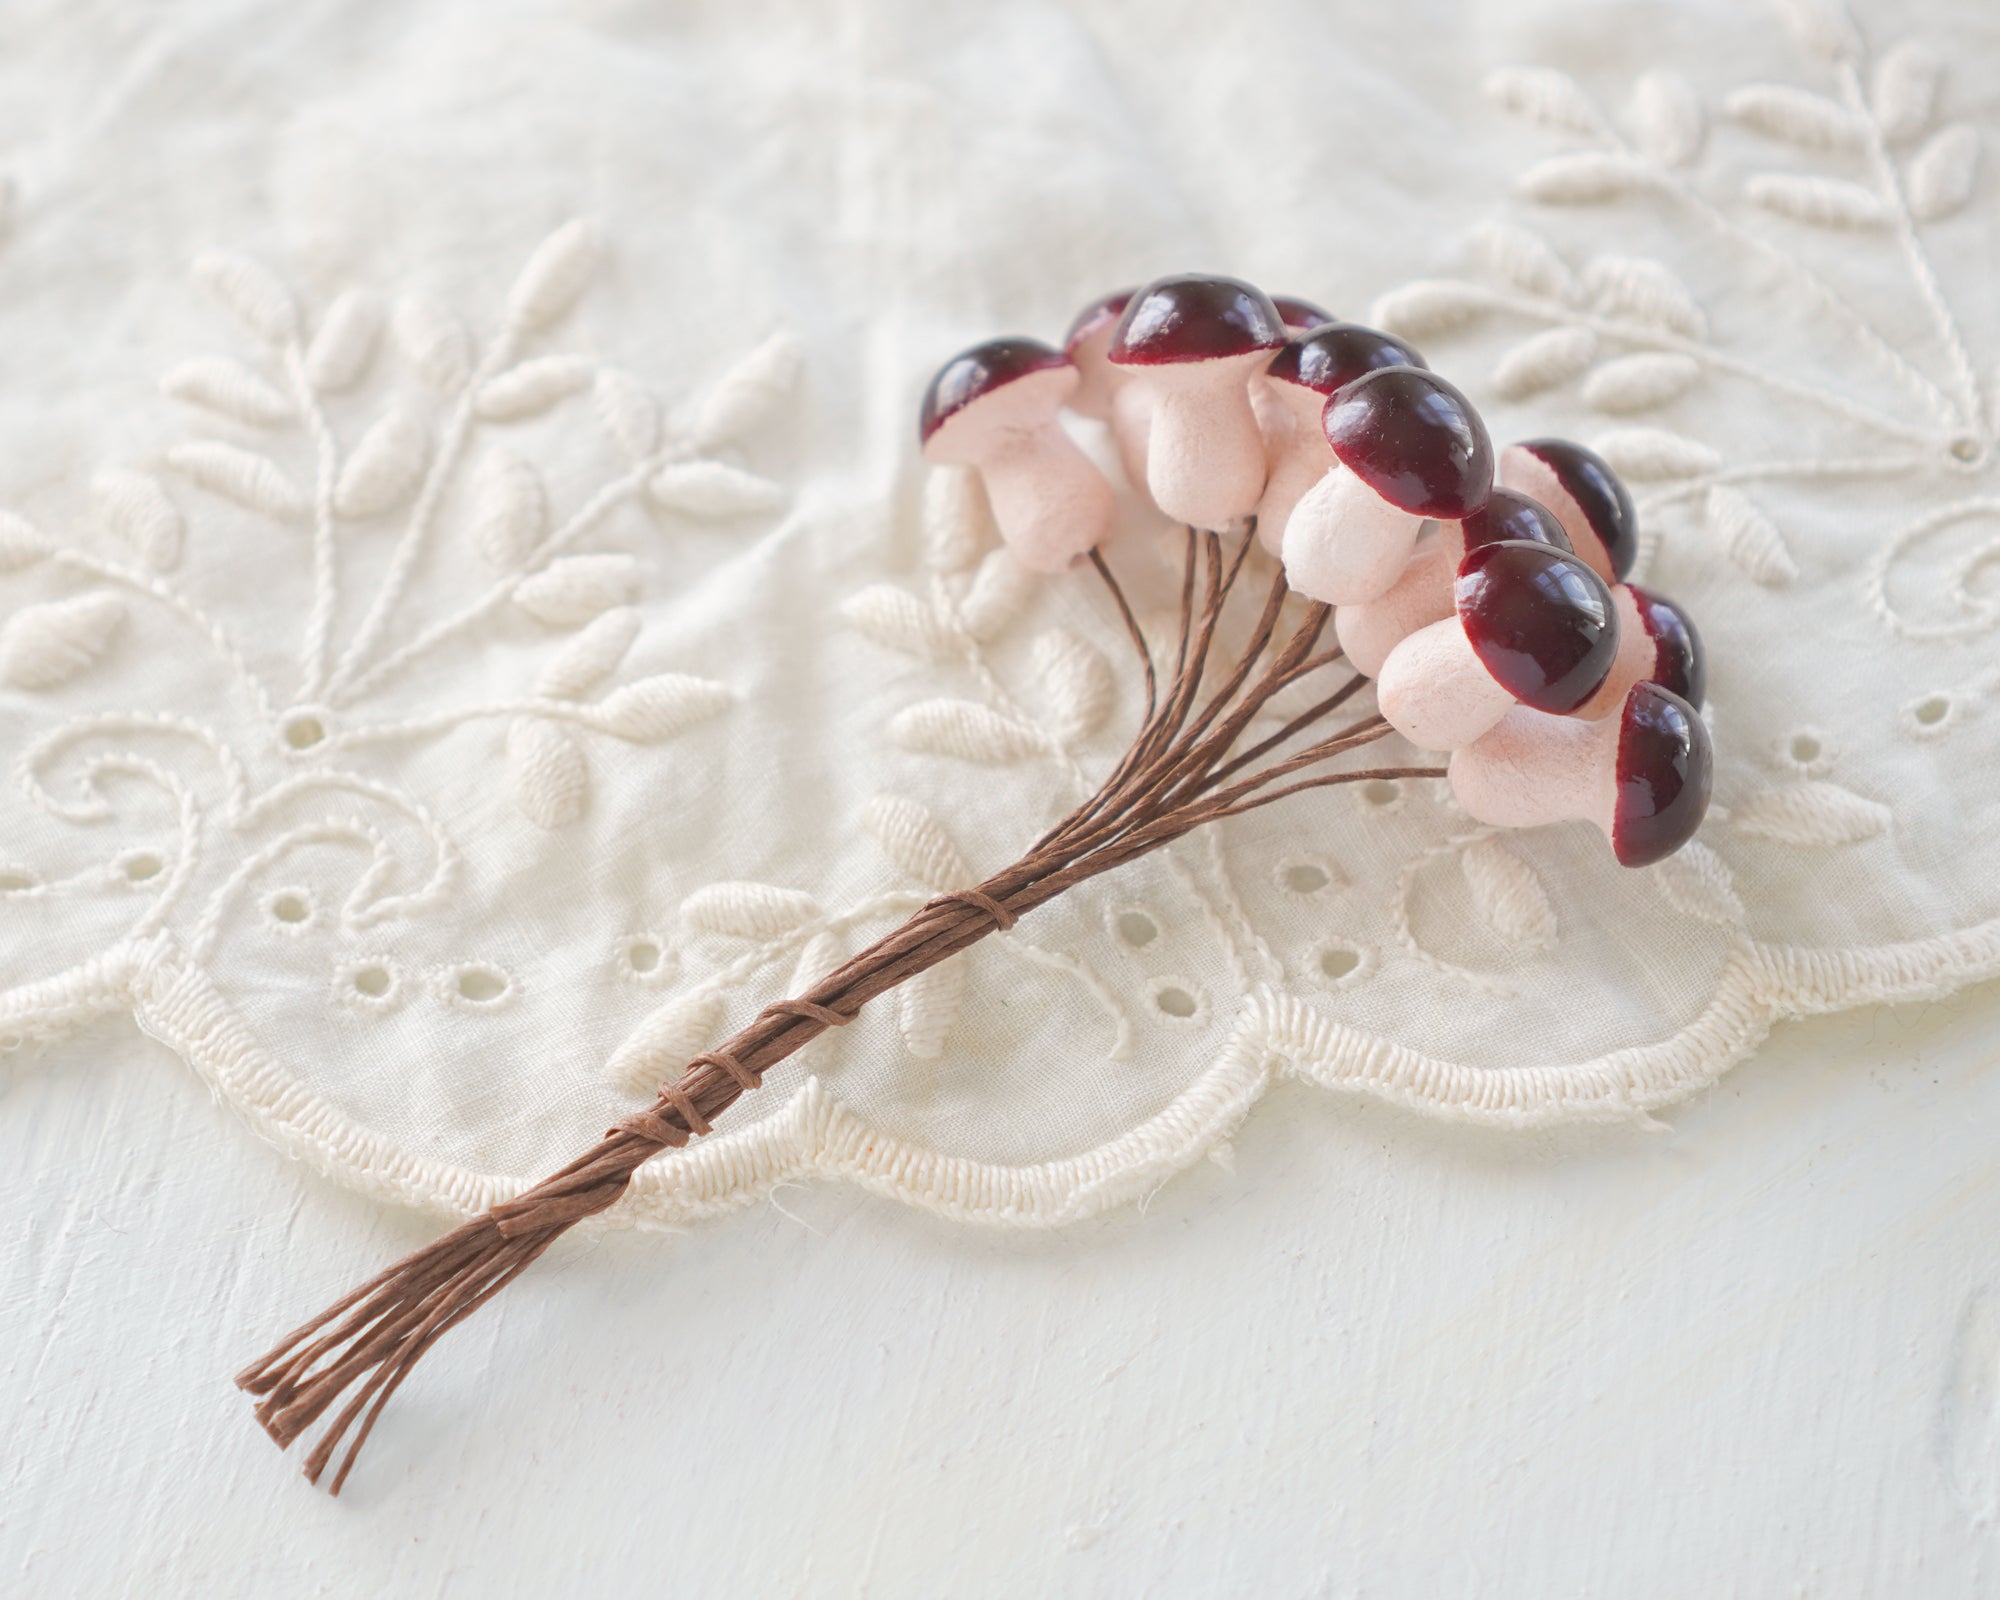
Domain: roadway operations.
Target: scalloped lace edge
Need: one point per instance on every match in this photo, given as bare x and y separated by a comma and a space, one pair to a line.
814, 1134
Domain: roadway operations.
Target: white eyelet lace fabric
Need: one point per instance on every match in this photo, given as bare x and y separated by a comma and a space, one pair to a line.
503, 652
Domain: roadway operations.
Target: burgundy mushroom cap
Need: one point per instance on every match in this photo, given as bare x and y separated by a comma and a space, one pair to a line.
1413, 439
1297, 313
1665, 767
1190, 318
1508, 516
1541, 622
1679, 664
973, 374
1596, 498
1330, 357
1100, 313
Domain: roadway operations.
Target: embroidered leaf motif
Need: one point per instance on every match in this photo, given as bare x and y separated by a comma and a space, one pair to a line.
227, 387
1523, 258
434, 342
1906, 89
571, 590
1652, 454
252, 481
545, 764
1427, 307
661, 1045
1811, 812
958, 523
1543, 95
927, 1007
529, 388
21, 542
712, 489
249, 290
1666, 118
136, 508
1822, 28
748, 393
1644, 291
999, 592
44, 646
1942, 173
1544, 360
510, 511
1749, 537
820, 956
1584, 177
629, 413
555, 274
1640, 382
1824, 202
897, 620
386, 467
659, 707
591, 657
916, 841
1508, 894
342, 348
1696, 883
1797, 116
748, 910
964, 729
1077, 680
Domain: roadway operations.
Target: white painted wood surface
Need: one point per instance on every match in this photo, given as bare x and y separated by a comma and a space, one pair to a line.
1757, 1356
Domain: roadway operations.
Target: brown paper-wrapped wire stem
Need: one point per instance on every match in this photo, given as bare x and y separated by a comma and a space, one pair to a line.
1182, 770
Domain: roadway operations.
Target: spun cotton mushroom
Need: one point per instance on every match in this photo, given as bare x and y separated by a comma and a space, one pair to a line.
1188, 348
1579, 486
1422, 592
994, 408
1533, 625
1409, 446
1657, 643
1642, 776
1088, 344
1299, 315
1292, 398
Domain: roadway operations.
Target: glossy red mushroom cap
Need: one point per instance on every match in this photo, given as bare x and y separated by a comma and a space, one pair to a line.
1413, 439
1329, 358
1300, 314
1666, 766
1680, 663
1605, 503
1195, 319
973, 374
1509, 517
1541, 622
1101, 312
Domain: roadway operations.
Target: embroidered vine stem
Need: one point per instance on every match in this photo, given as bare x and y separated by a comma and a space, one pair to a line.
1187, 766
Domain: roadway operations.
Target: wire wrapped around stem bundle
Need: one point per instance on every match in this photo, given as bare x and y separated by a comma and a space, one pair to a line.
1183, 769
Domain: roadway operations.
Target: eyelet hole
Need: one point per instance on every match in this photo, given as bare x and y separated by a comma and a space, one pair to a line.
1302, 877
141, 865
1136, 928
304, 731
1176, 1002
1382, 792
480, 985
642, 955
1931, 711
373, 982
1805, 747
15, 879
290, 908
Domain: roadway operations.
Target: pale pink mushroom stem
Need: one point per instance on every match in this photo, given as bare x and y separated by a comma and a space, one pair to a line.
1295, 448
1344, 543
1436, 691
1204, 455
1533, 767
1369, 630
1637, 657
1049, 500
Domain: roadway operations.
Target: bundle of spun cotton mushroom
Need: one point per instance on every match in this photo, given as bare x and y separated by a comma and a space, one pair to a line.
1504, 635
